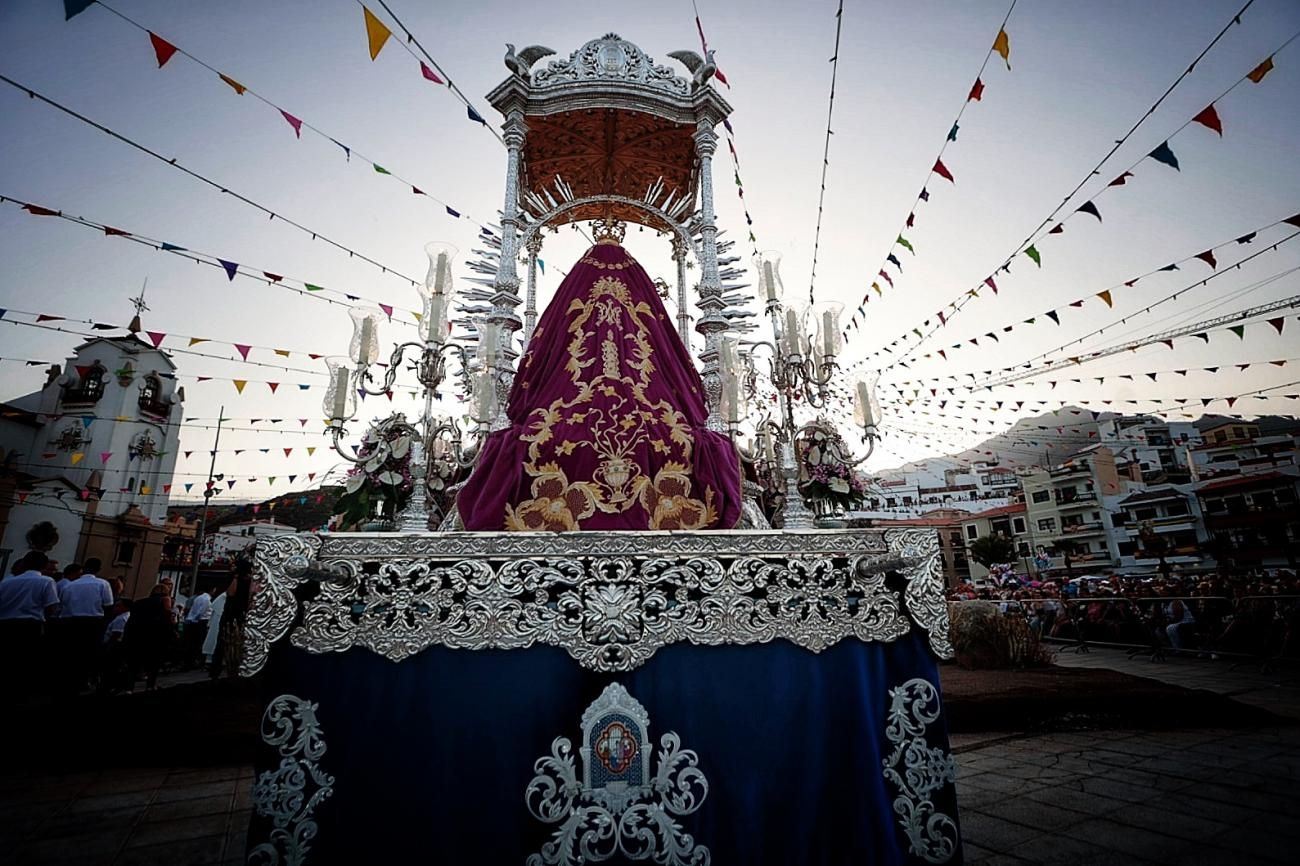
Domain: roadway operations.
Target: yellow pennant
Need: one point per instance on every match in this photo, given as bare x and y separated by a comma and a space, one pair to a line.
311, 449
76, 458
377, 33
239, 385
1257, 74
283, 353
145, 489
1105, 296
235, 85
194, 341
1002, 45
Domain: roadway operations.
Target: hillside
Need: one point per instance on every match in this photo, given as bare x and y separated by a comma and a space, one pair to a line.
307, 509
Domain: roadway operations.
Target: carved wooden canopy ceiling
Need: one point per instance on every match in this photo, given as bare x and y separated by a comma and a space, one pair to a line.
609, 151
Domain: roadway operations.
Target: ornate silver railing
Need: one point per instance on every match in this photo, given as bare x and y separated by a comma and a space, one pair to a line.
610, 599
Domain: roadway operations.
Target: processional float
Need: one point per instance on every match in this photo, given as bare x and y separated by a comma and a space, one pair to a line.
485, 693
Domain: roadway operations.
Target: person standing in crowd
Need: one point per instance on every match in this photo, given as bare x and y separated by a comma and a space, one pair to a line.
148, 634
230, 641
71, 572
195, 630
85, 600
27, 600
115, 666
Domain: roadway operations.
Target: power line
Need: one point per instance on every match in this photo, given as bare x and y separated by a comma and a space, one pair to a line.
826, 150
315, 235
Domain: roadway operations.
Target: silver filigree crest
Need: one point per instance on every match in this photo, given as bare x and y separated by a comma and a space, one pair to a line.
917, 770
614, 804
924, 596
611, 58
289, 794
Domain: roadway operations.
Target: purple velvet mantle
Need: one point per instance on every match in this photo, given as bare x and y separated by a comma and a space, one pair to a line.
606, 419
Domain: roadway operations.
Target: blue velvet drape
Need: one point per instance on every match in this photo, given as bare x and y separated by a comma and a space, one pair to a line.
431, 756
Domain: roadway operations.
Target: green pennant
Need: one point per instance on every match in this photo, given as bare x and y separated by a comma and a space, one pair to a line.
905, 243
1032, 252
1239, 330
312, 288
380, 169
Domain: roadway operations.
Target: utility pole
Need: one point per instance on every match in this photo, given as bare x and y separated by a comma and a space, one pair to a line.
208, 493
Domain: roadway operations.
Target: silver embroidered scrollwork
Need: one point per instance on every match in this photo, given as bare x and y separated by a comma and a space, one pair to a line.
614, 804
289, 794
611, 600
917, 770
611, 58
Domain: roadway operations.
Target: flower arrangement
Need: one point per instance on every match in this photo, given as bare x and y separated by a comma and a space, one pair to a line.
379, 485
825, 476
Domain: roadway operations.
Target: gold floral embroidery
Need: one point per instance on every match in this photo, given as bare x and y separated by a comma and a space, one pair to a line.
609, 318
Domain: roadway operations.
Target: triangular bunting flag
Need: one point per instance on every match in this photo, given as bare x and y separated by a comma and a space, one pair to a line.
162, 49
942, 170
231, 268
1032, 252
294, 122
1209, 118
474, 115
1239, 330
1105, 296
156, 337
72, 8
1089, 207
239, 384
1164, 155
242, 350
430, 74
1277, 323
1208, 258
1051, 314
976, 91
906, 244
1257, 74
377, 33
1002, 45
234, 85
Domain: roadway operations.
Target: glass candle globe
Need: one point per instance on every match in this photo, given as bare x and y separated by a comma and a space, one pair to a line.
866, 408
767, 265
340, 403
364, 348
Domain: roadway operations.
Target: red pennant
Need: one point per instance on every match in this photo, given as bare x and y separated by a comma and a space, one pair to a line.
110, 231
243, 350
1057, 230
156, 337
942, 170
273, 386
1209, 118
1119, 181
988, 281
294, 122
911, 218
162, 49
37, 210
976, 91
1208, 258
388, 311
1277, 323
288, 451
430, 74
275, 278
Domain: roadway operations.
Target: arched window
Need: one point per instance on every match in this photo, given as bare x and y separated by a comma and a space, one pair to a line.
90, 385
151, 399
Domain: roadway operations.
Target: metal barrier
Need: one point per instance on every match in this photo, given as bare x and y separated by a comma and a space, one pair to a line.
1260, 629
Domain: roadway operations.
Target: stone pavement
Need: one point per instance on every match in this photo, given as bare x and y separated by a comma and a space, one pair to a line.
156, 817
1129, 797
1275, 688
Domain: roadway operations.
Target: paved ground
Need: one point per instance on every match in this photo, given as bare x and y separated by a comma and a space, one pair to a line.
1186, 796
126, 817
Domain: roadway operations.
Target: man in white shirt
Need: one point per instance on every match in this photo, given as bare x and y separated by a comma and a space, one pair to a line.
27, 599
85, 598
195, 630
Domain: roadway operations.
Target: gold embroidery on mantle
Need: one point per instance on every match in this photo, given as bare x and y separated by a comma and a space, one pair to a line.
613, 433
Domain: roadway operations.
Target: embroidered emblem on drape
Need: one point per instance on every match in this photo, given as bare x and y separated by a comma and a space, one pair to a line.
613, 803
609, 354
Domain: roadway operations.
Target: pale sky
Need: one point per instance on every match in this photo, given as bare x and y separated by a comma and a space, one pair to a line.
1082, 74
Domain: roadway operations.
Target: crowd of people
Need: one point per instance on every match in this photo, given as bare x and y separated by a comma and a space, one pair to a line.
1254, 613
67, 630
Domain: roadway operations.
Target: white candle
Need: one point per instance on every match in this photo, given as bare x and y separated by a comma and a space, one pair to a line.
864, 400
793, 343
828, 333
769, 281
440, 281
367, 338
437, 312
769, 449
340, 394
